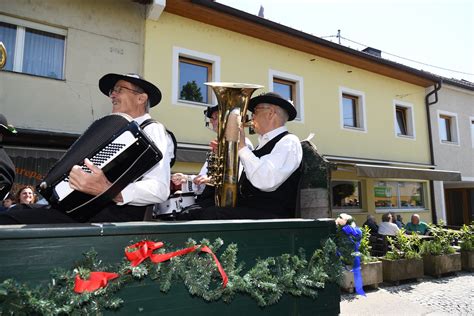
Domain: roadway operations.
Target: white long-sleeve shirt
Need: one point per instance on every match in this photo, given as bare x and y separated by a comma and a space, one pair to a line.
268, 172
154, 187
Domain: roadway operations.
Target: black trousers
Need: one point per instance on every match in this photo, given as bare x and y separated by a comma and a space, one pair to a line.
44, 215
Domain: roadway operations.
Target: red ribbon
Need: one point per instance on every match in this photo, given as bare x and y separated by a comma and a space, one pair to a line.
96, 281
145, 250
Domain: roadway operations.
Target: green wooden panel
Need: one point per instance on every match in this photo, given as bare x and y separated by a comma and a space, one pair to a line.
28, 253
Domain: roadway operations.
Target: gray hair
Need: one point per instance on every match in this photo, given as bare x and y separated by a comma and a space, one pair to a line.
281, 113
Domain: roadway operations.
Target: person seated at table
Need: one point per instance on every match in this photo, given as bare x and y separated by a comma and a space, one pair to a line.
387, 227
372, 224
417, 226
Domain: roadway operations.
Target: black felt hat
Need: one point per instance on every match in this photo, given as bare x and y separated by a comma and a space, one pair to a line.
210, 109
5, 128
275, 99
107, 82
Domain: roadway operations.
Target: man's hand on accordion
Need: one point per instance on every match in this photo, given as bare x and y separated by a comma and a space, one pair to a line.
93, 183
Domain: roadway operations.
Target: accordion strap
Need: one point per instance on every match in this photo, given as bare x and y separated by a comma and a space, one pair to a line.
170, 133
147, 122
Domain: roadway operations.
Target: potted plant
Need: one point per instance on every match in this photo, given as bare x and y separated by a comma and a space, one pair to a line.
370, 267
403, 261
467, 247
439, 256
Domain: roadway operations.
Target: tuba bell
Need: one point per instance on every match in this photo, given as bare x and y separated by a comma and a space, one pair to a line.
223, 165
3, 55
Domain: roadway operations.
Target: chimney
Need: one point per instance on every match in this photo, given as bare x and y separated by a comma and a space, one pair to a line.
373, 51
260, 12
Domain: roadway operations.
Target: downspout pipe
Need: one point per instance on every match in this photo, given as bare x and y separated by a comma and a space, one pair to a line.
437, 87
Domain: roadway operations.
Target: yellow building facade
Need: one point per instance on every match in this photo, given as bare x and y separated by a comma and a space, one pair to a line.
240, 51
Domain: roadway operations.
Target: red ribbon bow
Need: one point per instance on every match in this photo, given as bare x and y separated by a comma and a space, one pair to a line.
96, 281
144, 249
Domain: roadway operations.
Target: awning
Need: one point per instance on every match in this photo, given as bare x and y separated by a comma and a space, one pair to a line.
376, 171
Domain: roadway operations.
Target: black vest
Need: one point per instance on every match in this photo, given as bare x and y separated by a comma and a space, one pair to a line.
282, 201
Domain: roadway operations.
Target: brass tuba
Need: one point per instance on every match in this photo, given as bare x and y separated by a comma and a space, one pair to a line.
223, 165
3, 55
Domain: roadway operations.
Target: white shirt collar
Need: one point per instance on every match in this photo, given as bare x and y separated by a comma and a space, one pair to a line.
265, 138
142, 118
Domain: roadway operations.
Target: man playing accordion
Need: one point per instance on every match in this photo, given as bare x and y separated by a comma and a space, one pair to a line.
131, 95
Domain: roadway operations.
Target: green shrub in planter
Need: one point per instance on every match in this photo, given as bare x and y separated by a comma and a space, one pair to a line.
403, 246
439, 256
466, 237
365, 247
404, 261
442, 241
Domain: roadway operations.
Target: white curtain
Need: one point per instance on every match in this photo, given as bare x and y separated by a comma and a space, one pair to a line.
44, 54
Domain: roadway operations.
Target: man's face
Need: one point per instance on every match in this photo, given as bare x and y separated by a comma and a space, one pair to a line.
214, 120
261, 116
125, 99
415, 220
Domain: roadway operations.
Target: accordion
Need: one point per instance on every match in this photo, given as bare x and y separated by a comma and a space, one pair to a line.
117, 145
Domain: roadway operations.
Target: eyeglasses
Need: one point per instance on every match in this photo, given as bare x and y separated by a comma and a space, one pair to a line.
119, 89
260, 108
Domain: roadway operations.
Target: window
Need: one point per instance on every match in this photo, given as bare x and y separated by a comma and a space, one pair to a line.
352, 106
448, 128
192, 75
404, 123
284, 88
350, 110
472, 131
399, 195
290, 87
346, 194
33, 48
191, 70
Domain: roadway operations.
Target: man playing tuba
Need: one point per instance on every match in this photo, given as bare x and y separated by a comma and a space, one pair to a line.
268, 185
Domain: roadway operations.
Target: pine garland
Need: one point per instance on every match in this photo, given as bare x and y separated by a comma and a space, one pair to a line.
266, 282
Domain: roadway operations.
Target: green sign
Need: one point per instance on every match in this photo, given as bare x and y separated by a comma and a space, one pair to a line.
385, 192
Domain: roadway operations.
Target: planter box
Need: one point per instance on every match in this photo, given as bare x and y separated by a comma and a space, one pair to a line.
467, 260
403, 269
371, 275
438, 265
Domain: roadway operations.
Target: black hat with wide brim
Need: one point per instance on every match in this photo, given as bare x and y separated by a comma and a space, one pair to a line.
5, 128
107, 82
275, 99
210, 109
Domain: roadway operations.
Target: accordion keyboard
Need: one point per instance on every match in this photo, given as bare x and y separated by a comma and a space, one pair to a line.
100, 159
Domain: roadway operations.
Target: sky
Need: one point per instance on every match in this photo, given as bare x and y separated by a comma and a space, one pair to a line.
418, 33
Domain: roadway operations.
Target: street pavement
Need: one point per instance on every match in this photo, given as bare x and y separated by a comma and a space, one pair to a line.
449, 295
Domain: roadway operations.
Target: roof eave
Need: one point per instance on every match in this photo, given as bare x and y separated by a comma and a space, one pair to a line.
226, 17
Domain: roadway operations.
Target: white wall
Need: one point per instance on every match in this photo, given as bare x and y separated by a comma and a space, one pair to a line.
102, 36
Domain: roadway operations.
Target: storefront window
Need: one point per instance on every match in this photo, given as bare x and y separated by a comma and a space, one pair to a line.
399, 195
346, 194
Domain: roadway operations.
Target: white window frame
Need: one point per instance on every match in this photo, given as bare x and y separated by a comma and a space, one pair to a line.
410, 119
214, 60
361, 112
456, 141
346, 209
299, 83
425, 208
471, 124
21, 26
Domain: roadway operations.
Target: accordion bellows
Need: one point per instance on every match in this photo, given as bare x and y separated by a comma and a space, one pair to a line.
114, 143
